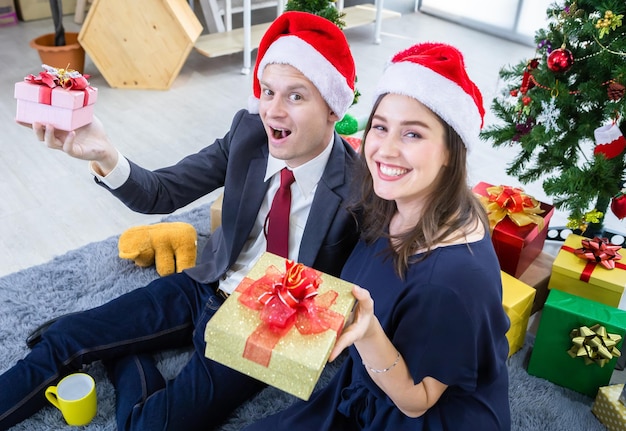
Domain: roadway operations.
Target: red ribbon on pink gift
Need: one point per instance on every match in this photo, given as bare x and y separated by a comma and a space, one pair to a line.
597, 251
285, 300
65, 78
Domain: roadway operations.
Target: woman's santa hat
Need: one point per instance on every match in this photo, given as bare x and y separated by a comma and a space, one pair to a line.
434, 74
317, 48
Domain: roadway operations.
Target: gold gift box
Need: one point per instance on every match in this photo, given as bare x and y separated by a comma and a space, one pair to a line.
297, 360
608, 409
517, 300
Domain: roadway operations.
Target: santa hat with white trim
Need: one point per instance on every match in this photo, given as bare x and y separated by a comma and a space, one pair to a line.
435, 75
317, 48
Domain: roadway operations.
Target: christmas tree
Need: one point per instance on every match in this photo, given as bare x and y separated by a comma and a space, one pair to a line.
562, 109
324, 8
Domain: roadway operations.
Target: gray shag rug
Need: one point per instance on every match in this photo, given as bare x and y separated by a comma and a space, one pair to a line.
94, 274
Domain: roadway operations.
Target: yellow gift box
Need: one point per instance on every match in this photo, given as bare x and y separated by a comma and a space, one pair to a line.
517, 300
569, 272
236, 336
608, 409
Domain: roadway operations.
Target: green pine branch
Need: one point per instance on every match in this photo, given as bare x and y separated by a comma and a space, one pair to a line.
324, 8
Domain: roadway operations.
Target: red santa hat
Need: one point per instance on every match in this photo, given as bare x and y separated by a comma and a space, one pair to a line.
434, 74
317, 48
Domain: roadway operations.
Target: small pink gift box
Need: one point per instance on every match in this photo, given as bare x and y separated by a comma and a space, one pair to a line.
65, 109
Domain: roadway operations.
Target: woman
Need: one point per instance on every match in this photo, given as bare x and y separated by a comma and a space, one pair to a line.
427, 345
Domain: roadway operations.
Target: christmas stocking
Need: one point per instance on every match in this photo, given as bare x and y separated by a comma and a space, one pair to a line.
609, 141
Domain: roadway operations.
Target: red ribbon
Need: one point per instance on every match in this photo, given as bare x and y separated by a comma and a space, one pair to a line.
597, 251
283, 301
45, 95
66, 79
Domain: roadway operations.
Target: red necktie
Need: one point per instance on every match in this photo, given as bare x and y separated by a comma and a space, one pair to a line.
278, 217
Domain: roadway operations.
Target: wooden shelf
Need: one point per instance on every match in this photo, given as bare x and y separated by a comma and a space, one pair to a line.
139, 47
365, 14
231, 42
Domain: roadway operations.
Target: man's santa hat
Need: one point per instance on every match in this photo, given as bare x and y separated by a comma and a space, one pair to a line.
434, 74
317, 48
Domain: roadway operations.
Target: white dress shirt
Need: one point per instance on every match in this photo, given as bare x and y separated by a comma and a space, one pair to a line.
302, 192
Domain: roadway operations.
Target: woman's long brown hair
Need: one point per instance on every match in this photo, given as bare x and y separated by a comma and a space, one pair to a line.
450, 209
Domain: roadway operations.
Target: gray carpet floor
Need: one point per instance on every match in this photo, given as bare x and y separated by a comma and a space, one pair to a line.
93, 274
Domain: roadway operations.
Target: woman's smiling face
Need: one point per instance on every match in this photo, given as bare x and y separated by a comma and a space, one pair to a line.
405, 150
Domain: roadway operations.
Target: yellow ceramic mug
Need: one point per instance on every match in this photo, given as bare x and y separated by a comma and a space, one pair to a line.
75, 396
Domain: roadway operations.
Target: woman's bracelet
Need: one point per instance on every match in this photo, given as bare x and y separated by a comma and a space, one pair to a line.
384, 370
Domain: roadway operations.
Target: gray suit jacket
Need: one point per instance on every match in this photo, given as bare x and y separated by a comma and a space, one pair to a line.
238, 161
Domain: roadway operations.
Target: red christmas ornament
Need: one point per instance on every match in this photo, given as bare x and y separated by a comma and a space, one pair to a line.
618, 206
560, 60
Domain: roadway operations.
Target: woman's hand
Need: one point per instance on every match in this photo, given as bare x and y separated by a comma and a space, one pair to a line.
387, 368
361, 324
86, 143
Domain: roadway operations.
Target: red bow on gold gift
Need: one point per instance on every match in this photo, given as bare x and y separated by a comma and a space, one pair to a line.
287, 300
502, 201
594, 344
599, 250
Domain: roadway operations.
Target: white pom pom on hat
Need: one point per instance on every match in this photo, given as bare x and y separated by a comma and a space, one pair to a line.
435, 75
317, 48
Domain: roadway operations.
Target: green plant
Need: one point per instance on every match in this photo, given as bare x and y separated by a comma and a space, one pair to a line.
324, 8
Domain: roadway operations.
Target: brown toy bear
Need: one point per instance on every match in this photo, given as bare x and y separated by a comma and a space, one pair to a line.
172, 246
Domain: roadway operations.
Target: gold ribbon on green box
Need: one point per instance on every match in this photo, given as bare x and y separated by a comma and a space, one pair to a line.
594, 344
502, 201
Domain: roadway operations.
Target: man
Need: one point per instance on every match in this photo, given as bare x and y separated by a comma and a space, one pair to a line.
303, 83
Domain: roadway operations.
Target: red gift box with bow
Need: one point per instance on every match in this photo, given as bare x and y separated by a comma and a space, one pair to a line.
62, 98
519, 225
280, 324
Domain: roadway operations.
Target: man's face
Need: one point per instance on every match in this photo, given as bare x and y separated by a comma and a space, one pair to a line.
297, 120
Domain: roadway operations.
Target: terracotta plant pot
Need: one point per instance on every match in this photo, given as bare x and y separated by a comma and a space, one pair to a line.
71, 55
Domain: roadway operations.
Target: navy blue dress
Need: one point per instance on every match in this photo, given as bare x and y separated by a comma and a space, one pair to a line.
447, 321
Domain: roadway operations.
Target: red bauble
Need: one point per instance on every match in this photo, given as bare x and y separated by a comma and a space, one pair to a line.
560, 60
618, 206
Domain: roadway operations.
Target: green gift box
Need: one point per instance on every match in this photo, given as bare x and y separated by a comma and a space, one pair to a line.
550, 358
291, 358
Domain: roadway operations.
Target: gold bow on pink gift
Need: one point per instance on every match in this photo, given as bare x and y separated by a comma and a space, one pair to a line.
53, 77
502, 201
599, 250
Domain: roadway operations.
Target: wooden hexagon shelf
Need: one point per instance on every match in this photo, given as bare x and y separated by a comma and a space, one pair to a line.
139, 44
